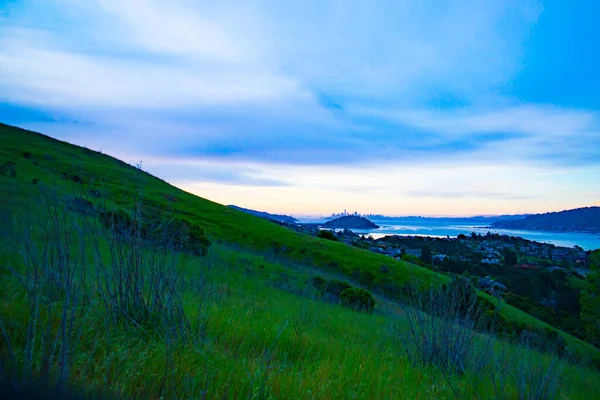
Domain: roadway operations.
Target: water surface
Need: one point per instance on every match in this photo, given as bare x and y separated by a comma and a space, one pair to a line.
443, 228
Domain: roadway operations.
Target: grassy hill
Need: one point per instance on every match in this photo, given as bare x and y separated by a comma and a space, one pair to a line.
243, 320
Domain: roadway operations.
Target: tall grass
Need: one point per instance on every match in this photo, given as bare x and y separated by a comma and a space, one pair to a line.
71, 270
443, 329
85, 305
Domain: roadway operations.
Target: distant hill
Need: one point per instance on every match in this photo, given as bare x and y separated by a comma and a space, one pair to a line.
586, 219
273, 217
351, 222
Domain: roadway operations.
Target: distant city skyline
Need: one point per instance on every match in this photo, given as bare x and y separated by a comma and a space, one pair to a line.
400, 108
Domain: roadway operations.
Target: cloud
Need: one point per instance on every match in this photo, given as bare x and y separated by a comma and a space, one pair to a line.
183, 171
546, 134
343, 99
445, 194
160, 54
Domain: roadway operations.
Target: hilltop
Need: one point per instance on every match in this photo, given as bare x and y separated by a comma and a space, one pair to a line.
585, 219
113, 279
350, 222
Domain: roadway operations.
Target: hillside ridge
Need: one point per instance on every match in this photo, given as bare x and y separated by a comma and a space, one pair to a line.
583, 219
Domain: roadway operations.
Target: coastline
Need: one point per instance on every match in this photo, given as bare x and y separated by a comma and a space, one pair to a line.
549, 230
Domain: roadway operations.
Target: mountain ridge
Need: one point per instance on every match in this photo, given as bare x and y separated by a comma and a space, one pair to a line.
583, 219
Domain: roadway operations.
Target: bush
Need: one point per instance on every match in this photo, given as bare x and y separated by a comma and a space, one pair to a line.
444, 338
179, 234
461, 293
188, 237
335, 288
8, 169
81, 205
329, 235
358, 299
74, 178
319, 283
118, 221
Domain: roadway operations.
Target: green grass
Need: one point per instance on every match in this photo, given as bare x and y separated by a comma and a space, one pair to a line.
268, 334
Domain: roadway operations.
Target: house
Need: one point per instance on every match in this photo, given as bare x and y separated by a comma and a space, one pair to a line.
581, 272
490, 261
559, 254
526, 266
492, 285
413, 252
439, 257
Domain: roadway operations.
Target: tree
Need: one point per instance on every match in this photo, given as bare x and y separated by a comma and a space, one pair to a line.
426, 254
590, 303
510, 257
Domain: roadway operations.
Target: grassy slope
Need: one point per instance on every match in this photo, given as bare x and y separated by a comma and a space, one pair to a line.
50, 158
325, 340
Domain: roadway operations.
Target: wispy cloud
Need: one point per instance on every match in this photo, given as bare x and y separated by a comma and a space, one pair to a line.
473, 194
350, 99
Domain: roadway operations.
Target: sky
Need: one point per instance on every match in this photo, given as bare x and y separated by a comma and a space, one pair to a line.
419, 107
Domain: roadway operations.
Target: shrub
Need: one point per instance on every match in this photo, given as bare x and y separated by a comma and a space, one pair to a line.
188, 237
358, 299
319, 283
179, 234
8, 169
118, 221
329, 235
444, 338
335, 288
81, 205
74, 178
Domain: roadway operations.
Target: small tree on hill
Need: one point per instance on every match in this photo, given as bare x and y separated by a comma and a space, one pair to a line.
590, 303
510, 257
426, 254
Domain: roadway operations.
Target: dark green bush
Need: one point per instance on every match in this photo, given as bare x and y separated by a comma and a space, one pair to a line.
335, 287
9, 169
319, 283
358, 299
81, 205
118, 221
74, 178
179, 234
188, 237
329, 235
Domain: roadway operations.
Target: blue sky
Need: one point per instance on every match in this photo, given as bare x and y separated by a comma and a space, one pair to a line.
413, 107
